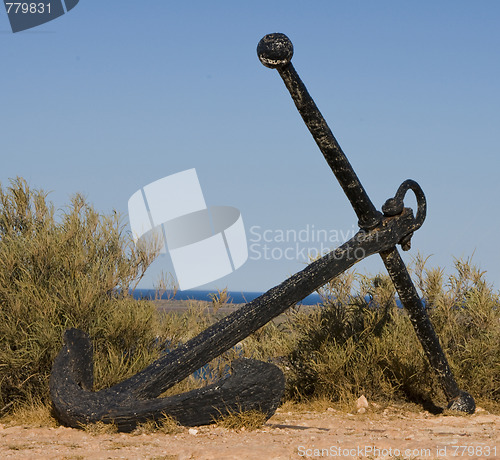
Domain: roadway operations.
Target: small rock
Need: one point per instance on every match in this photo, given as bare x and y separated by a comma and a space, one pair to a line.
330, 409
193, 431
361, 402
361, 410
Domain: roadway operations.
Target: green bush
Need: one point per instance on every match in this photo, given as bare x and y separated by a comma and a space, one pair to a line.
57, 272
362, 343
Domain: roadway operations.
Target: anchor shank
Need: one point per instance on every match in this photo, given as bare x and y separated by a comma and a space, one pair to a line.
368, 216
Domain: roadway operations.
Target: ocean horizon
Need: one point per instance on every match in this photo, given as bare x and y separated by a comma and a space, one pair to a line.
237, 297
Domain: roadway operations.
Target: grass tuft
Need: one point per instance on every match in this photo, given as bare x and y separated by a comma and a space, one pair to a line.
34, 413
166, 425
242, 420
98, 428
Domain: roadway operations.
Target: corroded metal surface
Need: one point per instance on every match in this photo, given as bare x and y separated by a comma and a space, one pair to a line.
251, 385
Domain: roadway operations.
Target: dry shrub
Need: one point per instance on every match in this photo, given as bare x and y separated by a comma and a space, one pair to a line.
73, 270
363, 343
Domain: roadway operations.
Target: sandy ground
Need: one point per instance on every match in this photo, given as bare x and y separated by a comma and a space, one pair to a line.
388, 433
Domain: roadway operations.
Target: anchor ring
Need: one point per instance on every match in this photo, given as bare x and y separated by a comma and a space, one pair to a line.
394, 206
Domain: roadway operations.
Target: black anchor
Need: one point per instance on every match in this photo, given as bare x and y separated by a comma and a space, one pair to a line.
254, 384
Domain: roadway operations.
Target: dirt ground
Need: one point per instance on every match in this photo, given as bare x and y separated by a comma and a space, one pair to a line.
393, 432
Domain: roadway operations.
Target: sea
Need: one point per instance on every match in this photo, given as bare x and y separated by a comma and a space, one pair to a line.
236, 297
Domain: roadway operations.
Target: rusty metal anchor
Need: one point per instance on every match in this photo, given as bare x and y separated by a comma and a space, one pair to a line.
254, 384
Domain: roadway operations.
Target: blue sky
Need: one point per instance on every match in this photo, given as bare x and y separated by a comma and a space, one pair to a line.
114, 95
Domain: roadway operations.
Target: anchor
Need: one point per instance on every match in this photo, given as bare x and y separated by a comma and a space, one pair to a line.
254, 384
